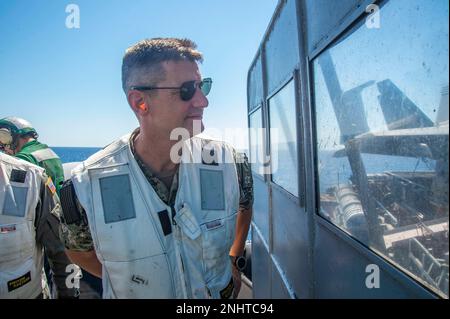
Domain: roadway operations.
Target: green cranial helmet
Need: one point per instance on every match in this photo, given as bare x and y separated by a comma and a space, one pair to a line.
13, 127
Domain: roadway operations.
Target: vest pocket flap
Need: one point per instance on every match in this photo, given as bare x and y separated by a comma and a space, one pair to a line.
188, 223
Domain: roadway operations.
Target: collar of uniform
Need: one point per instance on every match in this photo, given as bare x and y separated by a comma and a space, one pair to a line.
166, 195
31, 143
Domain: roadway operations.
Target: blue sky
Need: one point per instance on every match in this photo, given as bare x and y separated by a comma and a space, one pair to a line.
66, 82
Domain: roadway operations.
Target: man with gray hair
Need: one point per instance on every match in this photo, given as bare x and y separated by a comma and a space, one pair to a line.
141, 213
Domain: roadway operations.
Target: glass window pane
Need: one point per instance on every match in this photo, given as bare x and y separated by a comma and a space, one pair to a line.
381, 99
283, 139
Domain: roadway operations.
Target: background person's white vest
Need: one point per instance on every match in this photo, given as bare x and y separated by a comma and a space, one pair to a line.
21, 259
145, 252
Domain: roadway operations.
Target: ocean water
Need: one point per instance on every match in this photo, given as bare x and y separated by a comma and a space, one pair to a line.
74, 154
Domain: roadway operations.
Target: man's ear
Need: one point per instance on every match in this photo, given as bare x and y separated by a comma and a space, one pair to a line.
137, 101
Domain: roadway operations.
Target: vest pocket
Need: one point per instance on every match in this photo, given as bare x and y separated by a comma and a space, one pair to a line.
15, 202
16, 241
16, 280
117, 198
218, 236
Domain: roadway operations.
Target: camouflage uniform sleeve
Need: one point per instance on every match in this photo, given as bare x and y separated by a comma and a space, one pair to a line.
245, 180
47, 223
75, 235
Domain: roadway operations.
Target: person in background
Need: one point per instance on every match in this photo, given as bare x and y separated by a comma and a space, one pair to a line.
19, 138
149, 223
29, 222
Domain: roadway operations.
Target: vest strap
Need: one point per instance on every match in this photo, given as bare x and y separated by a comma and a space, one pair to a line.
165, 222
71, 213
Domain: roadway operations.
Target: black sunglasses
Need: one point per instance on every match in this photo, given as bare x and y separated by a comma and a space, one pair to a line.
187, 89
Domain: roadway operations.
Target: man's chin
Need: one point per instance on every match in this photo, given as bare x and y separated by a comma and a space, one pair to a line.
195, 127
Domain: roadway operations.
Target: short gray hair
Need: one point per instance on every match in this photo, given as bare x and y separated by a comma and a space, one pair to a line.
141, 64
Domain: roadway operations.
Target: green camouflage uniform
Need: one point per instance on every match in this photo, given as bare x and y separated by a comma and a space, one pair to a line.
78, 237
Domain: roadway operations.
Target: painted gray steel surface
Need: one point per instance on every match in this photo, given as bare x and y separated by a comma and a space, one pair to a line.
297, 253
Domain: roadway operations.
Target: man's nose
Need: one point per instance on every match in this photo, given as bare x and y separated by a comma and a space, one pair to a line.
199, 100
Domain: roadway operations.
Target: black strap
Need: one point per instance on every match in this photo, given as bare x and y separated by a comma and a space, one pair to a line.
71, 213
165, 222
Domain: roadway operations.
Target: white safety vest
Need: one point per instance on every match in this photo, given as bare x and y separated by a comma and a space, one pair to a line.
144, 250
21, 259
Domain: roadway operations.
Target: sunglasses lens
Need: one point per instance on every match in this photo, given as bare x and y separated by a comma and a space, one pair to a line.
205, 86
187, 90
